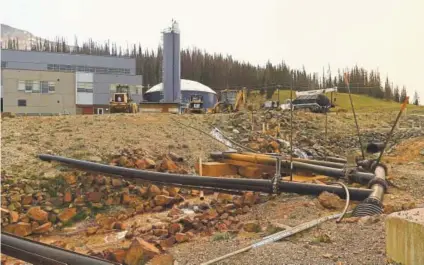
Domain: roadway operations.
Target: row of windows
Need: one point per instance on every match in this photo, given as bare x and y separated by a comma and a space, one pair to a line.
30, 86
133, 89
88, 69
85, 87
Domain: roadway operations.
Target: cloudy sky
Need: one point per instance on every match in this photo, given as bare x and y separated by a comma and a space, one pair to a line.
387, 35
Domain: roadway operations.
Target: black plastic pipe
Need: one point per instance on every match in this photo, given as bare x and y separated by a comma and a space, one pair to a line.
373, 148
258, 185
38, 253
354, 175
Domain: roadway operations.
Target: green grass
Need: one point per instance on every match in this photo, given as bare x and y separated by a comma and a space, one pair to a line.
362, 103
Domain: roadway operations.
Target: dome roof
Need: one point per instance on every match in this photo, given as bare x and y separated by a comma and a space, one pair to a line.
186, 85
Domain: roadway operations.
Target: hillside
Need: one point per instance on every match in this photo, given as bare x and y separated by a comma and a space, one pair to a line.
362, 103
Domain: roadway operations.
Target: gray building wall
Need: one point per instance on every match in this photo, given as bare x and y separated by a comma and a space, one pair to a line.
66, 62
102, 82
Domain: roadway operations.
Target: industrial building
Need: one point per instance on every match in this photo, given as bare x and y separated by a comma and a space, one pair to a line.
57, 83
188, 88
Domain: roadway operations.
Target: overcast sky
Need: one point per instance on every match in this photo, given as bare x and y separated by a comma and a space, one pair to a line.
387, 35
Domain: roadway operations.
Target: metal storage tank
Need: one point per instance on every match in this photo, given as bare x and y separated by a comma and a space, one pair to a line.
188, 88
171, 75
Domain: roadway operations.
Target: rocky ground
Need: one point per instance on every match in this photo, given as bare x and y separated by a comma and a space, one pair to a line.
119, 219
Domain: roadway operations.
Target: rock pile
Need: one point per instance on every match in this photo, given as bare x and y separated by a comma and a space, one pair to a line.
308, 134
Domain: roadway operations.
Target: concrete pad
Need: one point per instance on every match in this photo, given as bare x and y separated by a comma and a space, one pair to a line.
405, 237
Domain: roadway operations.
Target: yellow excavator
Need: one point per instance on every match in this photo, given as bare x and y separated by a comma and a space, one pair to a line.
122, 102
231, 101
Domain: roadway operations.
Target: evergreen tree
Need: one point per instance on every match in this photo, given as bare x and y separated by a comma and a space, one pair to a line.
387, 90
403, 94
396, 95
416, 99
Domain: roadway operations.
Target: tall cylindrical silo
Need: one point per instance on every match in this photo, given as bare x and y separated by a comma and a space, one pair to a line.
171, 64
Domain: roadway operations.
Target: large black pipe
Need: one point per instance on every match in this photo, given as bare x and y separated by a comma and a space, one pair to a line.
354, 175
38, 253
259, 185
373, 148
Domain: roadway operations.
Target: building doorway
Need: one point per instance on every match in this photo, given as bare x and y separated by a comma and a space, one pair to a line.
100, 111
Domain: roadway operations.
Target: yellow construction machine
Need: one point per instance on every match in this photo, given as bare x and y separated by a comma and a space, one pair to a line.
122, 102
231, 100
195, 105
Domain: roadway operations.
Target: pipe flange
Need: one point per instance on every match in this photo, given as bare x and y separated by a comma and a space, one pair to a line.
374, 166
379, 181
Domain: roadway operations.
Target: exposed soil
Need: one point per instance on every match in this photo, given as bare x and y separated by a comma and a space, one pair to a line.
98, 137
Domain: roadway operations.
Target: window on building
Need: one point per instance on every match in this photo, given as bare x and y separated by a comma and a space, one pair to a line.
52, 87
3, 64
35, 87
28, 86
22, 102
21, 85
44, 87
85, 87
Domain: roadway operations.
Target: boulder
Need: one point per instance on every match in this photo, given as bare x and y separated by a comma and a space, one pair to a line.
330, 200
27, 200
35, 213
181, 237
13, 217
167, 243
44, 228
166, 259
162, 200
70, 179
139, 252
175, 228
67, 197
67, 214
94, 196
249, 198
117, 182
154, 190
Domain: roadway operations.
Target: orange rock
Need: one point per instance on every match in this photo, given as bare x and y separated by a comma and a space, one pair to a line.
154, 190
14, 217
168, 165
68, 196
27, 200
173, 191
181, 237
142, 191
117, 182
67, 214
175, 228
139, 252
238, 201
34, 225
91, 230
160, 232
35, 213
210, 214
224, 197
118, 255
70, 179
275, 146
140, 164
249, 198
149, 163
22, 229
330, 200
167, 243
165, 259
120, 226
175, 212
126, 198
162, 200
43, 228
94, 196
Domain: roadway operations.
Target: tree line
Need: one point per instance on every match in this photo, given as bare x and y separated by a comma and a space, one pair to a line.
220, 71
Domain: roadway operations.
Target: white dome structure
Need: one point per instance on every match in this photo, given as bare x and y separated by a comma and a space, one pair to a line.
188, 88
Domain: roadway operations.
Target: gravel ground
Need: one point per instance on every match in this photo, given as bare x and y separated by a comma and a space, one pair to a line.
350, 243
